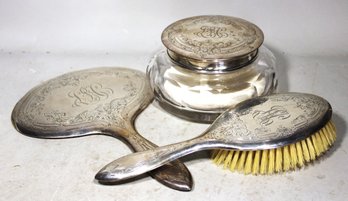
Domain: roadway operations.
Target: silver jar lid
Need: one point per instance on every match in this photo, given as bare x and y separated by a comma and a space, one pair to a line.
212, 43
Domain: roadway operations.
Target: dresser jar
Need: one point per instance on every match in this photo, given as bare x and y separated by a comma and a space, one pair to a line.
209, 64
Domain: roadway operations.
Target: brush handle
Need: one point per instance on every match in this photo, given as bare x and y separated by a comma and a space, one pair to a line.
138, 163
175, 174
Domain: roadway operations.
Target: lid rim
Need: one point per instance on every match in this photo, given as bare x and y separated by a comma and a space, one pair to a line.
213, 66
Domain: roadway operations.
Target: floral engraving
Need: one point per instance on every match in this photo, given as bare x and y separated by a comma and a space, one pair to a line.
212, 36
230, 127
282, 115
38, 112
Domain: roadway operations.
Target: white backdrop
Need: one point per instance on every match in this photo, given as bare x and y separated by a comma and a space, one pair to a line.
297, 27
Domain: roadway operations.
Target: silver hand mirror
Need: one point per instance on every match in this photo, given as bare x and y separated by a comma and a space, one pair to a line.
261, 123
99, 101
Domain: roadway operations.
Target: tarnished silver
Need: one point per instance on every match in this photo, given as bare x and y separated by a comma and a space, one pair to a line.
98, 101
260, 123
212, 43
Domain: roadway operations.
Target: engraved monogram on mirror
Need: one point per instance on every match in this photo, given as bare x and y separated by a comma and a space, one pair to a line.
96, 101
90, 94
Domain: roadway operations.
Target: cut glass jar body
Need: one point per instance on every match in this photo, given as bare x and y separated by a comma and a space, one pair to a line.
201, 97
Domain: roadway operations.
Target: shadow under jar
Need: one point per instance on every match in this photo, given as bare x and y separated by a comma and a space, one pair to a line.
210, 64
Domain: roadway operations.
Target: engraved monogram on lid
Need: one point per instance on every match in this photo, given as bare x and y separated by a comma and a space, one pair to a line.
209, 42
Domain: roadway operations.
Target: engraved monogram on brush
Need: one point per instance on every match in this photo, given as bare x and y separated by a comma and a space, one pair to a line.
269, 121
265, 118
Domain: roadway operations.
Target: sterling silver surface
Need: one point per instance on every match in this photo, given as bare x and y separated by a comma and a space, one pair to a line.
260, 123
95, 101
212, 42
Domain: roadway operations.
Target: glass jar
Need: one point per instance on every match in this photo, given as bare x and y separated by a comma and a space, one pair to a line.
210, 63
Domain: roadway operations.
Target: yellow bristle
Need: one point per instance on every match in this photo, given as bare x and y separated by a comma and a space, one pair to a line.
333, 127
248, 162
214, 153
271, 161
228, 159
315, 145
310, 148
279, 160
323, 140
304, 146
241, 161
332, 131
293, 156
221, 157
286, 159
234, 160
256, 164
328, 134
264, 162
331, 124
320, 142
300, 160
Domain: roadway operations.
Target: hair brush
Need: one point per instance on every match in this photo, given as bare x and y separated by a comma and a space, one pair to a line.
267, 134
